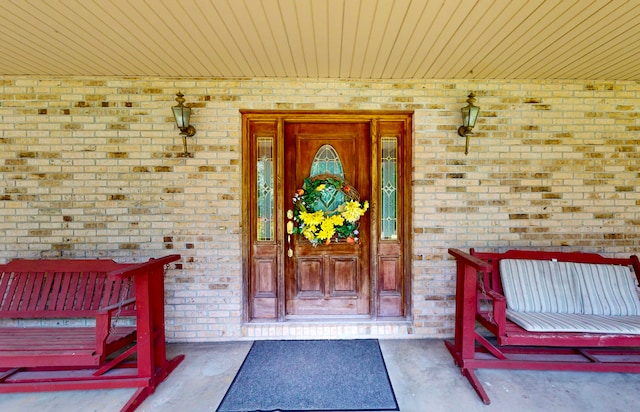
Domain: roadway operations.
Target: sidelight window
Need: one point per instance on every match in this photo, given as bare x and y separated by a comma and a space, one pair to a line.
389, 189
265, 189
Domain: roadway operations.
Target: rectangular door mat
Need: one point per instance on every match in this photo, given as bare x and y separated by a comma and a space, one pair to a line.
312, 375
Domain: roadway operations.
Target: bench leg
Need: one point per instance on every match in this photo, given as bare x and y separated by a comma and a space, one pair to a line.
468, 372
475, 383
143, 393
136, 399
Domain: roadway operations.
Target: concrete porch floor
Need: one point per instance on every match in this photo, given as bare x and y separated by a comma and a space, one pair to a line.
422, 373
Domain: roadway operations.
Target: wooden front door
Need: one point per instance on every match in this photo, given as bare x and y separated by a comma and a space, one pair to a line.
284, 276
333, 278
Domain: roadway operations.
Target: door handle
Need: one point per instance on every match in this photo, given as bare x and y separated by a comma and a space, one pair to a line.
289, 232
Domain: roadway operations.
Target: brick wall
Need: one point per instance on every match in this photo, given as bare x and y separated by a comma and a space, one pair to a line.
93, 167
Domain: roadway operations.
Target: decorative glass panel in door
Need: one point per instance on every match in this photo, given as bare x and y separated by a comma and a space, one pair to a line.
326, 162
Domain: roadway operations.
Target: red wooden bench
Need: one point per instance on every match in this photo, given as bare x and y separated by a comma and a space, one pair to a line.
77, 324
563, 333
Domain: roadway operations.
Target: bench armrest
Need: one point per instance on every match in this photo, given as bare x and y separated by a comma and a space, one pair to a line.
104, 317
469, 260
498, 301
495, 296
498, 313
144, 267
116, 306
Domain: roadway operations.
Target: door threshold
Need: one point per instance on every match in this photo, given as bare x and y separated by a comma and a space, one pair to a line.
333, 328
330, 319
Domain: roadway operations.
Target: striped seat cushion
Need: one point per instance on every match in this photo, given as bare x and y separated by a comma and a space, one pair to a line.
606, 289
539, 286
547, 296
573, 322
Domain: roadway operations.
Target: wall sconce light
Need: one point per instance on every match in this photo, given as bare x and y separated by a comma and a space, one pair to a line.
469, 116
182, 114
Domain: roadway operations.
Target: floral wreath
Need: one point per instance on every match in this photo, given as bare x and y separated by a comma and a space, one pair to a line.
319, 226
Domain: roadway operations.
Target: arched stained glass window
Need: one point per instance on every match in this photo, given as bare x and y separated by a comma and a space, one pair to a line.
327, 161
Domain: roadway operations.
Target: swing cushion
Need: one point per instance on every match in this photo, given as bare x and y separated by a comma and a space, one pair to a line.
549, 296
606, 289
539, 286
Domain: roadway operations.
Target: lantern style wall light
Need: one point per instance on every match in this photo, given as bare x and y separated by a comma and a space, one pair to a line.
182, 114
469, 116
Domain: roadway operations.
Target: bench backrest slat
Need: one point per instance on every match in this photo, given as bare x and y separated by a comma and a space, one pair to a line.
51, 294
99, 285
86, 285
4, 286
111, 294
14, 297
97, 288
61, 283
32, 291
48, 284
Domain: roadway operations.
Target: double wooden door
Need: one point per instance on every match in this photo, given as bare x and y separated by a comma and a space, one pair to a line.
285, 275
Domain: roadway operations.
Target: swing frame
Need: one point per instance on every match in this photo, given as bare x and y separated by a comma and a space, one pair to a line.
94, 350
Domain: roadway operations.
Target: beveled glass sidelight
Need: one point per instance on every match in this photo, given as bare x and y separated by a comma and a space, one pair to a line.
389, 188
265, 190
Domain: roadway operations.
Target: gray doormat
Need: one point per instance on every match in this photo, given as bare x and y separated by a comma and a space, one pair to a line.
311, 375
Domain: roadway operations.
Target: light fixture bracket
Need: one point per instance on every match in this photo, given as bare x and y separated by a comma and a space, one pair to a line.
188, 131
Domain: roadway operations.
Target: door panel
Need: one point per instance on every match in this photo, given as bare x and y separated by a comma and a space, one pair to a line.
309, 284
331, 279
344, 277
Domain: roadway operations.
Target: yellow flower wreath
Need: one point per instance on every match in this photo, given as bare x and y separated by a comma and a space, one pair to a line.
319, 226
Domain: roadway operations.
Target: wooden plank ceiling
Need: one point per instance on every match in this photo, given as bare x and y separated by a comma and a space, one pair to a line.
378, 39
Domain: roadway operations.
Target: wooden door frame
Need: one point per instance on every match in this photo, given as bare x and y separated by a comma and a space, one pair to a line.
377, 122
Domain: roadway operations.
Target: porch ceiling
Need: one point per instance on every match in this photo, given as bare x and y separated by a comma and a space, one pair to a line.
379, 39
